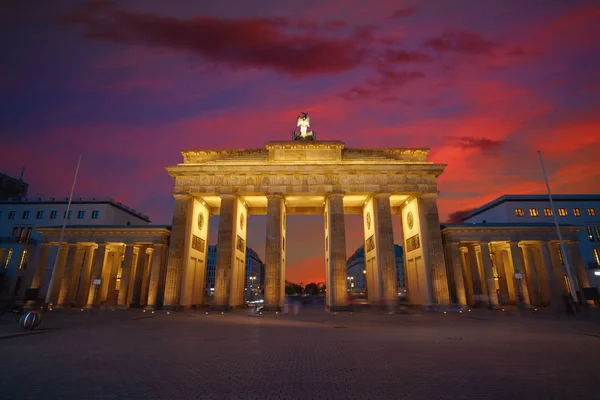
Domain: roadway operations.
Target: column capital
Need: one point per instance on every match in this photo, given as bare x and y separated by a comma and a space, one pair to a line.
428, 195
274, 195
335, 194
380, 195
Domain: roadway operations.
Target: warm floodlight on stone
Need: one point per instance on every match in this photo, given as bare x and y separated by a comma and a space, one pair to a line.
303, 133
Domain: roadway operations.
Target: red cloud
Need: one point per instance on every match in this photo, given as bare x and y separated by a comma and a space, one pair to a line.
250, 42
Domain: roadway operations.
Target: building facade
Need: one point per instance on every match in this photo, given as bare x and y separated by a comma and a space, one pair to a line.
357, 274
20, 220
576, 210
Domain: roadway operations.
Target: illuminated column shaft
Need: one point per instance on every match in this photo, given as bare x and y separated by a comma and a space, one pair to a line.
58, 273
552, 286
72, 266
225, 248
156, 255
489, 274
129, 263
177, 250
84, 281
42, 262
433, 249
459, 281
274, 289
98, 262
338, 282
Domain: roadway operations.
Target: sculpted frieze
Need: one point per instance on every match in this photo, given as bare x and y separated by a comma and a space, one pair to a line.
312, 179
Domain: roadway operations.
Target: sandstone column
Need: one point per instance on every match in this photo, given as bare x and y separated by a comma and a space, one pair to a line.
489, 274
140, 281
466, 273
115, 264
555, 297
433, 249
338, 281
530, 273
559, 269
274, 273
225, 251
181, 219
73, 265
516, 256
574, 255
40, 270
98, 261
474, 267
459, 282
504, 294
155, 266
57, 274
131, 253
76, 275
85, 279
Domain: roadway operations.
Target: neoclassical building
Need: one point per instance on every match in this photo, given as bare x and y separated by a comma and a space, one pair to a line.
306, 177
118, 266
498, 262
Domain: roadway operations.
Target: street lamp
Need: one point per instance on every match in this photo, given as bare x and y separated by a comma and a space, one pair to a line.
250, 282
350, 283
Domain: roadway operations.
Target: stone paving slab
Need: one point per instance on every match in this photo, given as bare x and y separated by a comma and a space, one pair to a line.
191, 355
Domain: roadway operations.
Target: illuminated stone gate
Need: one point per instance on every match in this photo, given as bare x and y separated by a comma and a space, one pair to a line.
306, 176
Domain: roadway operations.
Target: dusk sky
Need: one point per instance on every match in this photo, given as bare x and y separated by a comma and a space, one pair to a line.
129, 84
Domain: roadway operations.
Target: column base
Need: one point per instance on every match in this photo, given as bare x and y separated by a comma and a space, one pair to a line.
122, 307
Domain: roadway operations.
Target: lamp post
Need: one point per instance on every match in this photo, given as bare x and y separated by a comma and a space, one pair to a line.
350, 284
250, 282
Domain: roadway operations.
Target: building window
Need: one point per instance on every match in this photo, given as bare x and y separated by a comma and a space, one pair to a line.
22, 235
592, 212
577, 212
24, 257
547, 212
562, 212
11, 214
81, 215
519, 212
533, 212
95, 214
53, 214
25, 214
596, 255
560, 256
8, 257
597, 229
39, 215
590, 233
69, 216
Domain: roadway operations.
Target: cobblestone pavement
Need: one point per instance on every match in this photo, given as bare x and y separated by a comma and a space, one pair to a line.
131, 355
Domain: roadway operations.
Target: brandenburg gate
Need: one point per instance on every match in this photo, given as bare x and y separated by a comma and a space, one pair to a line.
305, 176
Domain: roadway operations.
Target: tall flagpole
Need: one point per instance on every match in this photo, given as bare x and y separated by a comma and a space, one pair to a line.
565, 259
60, 240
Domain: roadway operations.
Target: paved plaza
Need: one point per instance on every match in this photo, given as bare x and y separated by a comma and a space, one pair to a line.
315, 355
